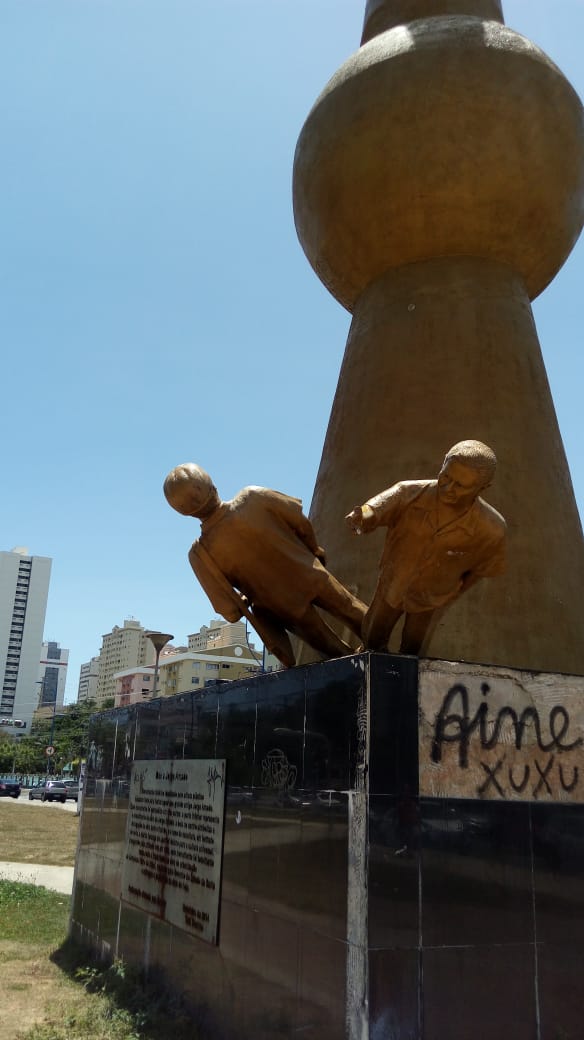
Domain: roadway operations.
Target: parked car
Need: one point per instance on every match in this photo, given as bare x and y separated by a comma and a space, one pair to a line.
49, 791
9, 788
72, 789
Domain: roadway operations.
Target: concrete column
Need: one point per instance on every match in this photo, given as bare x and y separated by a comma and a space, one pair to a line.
438, 187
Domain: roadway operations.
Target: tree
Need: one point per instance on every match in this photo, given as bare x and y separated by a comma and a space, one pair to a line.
67, 732
6, 755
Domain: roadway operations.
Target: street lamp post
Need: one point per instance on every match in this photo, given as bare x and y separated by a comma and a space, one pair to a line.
159, 641
41, 683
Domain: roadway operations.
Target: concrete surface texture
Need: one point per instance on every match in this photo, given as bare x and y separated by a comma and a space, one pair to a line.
59, 879
381, 15
438, 187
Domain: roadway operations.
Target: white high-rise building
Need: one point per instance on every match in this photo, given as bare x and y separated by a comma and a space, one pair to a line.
24, 588
88, 676
52, 676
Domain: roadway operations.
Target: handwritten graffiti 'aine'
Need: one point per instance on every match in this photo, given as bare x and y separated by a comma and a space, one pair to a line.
458, 727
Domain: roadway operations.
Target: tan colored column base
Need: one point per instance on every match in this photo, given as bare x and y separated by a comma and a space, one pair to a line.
440, 351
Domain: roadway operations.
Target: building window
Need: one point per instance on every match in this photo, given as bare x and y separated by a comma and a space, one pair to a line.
195, 681
211, 667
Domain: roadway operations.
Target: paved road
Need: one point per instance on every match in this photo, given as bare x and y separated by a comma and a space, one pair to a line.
69, 805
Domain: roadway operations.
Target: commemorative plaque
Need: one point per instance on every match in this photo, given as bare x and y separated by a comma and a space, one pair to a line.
500, 733
174, 842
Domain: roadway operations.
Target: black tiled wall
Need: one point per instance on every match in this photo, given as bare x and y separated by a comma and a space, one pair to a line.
475, 909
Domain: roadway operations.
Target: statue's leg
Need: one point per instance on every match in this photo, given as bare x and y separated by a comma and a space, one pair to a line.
273, 633
338, 601
415, 629
379, 622
313, 629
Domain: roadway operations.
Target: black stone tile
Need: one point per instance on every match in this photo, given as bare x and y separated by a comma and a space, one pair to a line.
233, 924
322, 986
111, 857
272, 958
476, 873
237, 845
273, 686
200, 739
560, 990
394, 866
109, 909
558, 844
335, 722
101, 746
171, 734
100, 915
147, 723
279, 735
479, 993
194, 968
236, 729
123, 744
92, 825
160, 948
393, 995
276, 862
132, 940
393, 724
321, 894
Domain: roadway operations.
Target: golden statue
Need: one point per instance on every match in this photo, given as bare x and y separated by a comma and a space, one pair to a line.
258, 557
441, 539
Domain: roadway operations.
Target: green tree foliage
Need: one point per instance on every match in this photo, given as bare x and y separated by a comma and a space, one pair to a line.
22, 755
67, 733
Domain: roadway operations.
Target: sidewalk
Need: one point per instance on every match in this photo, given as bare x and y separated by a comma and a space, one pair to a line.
59, 879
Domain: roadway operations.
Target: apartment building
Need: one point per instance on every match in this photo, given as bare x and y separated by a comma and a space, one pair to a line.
52, 675
133, 685
224, 636
24, 589
124, 647
88, 676
218, 633
181, 673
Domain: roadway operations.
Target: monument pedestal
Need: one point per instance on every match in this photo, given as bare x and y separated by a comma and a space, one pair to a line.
403, 852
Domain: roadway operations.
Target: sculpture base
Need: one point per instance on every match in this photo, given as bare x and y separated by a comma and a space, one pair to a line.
398, 862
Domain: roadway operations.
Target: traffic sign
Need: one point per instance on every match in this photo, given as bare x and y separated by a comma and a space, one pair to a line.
49, 750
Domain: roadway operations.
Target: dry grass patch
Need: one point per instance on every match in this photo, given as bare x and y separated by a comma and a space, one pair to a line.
30, 982
38, 835
51, 990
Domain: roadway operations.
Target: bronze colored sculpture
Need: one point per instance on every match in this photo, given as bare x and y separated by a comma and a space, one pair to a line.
441, 539
258, 558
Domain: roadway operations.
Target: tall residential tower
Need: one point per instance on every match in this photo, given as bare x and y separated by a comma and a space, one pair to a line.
24, 588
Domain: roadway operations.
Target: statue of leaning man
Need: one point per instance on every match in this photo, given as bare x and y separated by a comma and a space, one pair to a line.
442, 538
258, 557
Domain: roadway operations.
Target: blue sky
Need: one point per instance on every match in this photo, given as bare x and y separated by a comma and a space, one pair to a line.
155, 304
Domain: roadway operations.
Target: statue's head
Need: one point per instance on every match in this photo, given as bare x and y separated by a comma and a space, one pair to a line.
190, 490
468, 468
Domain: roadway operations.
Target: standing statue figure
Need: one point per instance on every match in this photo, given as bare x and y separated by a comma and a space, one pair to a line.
258, 558
441, 539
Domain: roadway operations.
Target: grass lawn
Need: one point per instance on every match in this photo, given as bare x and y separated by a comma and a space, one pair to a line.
51, 990
32, 834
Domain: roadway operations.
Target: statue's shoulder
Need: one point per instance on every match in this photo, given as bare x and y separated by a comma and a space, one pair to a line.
492, 519
406, 492
247, 494
267, 496
412, 488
